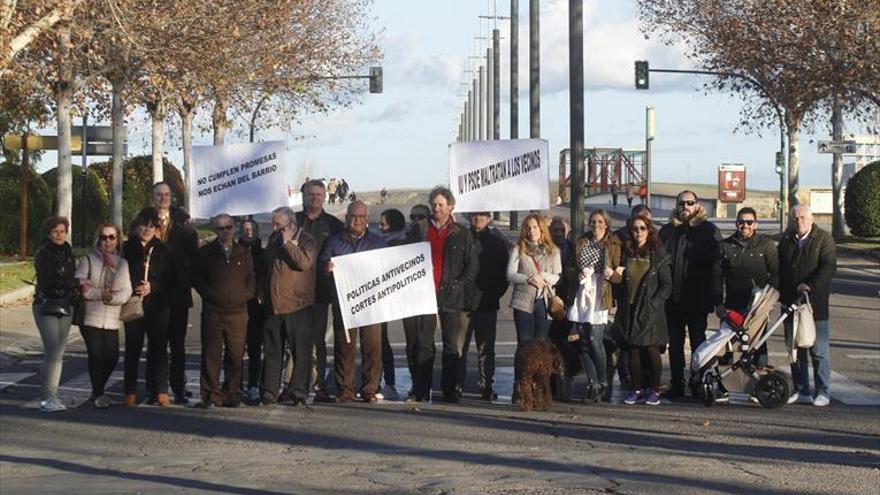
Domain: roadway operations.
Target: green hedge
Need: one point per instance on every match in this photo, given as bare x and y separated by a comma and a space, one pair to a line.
862, 202
39, 208
96, 203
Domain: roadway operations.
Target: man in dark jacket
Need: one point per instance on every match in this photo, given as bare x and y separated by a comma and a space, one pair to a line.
748, 261
224, 277
183, 243
354, 239
692, 242
489, 287
455, 260
807, 261
320, 225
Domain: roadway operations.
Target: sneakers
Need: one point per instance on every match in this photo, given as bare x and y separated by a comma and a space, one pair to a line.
821, 400
800, 398
389, 392
651, 398
130, 400
723, 397
52, 405
104, 402
253, 394
634, 397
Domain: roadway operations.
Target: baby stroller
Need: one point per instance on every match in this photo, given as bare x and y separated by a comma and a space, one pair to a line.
721, 369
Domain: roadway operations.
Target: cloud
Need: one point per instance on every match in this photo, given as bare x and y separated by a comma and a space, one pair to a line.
409, 62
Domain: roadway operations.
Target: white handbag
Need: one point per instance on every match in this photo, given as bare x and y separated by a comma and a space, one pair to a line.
804, 326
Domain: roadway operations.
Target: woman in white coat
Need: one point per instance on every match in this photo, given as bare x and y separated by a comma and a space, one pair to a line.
104, 280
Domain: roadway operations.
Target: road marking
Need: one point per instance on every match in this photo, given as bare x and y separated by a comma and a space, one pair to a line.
851, 392
863, 356
9, 379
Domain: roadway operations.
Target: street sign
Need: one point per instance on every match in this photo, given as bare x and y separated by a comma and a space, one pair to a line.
97, 133
731, 183
36, 142
93, 149
842, 147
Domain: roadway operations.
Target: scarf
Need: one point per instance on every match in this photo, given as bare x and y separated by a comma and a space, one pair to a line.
591, 255
535, 249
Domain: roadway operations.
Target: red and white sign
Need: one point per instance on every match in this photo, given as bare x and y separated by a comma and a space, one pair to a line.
731, 183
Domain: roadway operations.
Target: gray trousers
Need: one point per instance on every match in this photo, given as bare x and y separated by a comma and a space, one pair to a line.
53, 331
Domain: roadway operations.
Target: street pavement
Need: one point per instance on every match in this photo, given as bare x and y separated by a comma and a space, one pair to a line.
438, 448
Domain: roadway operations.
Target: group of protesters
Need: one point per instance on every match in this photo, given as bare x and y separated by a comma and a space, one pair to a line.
612, 301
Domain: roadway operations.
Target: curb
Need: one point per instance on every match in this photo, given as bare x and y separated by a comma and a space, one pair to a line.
872, 254
16, 295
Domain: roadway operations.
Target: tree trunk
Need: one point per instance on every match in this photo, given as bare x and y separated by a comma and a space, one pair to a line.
221, 123
118, 123
793, 126
838, 226
186, 117
157, 115
63, 101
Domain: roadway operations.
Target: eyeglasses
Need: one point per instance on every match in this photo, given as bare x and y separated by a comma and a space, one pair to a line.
639, 228
689, 202
415, 217
740, 221
224, 227
111, 237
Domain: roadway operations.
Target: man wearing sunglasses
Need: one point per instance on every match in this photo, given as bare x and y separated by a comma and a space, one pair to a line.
224, 277
692, 241
749, 261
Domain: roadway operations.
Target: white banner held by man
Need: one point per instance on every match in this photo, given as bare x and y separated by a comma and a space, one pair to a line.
385, 284
500, 175
238, 179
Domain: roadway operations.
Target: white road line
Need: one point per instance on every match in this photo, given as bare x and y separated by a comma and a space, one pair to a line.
851, 392
863, 356
9, 379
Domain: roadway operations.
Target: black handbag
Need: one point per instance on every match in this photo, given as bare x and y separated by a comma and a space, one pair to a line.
56, 307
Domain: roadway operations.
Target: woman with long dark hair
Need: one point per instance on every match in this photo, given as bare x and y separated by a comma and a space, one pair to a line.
151, 272
392, 227
106, 286
54, 297
641, 319
533, 269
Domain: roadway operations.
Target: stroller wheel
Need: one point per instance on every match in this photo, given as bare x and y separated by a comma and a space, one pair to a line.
773, 390
708, 390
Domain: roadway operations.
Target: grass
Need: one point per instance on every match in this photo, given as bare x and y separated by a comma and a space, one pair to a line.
861, 243
15, 275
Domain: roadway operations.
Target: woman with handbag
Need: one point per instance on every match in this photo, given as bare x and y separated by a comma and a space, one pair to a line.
105, 284
54, 299
533, 269
597, 254
641, 320
150, 273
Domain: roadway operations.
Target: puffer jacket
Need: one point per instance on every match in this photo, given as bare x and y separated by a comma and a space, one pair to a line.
521, 267
99, 314
747, 265
55, 269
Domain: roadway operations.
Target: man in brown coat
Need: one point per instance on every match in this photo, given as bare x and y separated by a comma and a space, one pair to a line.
287, 288
224, 277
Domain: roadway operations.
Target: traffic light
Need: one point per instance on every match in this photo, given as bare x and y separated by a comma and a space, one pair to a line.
375, 79
642, 74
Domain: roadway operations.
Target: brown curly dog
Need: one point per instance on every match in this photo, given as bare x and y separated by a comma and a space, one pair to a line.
540, 361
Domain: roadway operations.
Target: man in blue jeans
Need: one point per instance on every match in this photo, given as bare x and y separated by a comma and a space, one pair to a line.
807, 261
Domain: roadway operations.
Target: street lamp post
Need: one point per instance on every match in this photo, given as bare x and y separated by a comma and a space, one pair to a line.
514, 85
576, 111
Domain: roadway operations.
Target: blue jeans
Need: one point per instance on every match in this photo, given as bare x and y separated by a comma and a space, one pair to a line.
592, 352
529, 327
819, 354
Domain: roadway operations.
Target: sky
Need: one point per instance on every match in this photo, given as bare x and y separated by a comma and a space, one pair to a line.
400, 138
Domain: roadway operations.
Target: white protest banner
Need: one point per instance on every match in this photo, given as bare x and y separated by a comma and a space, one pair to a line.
238, 179
385, 284
500, 175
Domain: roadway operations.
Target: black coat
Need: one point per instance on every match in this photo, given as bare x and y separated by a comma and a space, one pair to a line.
491, 282
696, 264
814, 265
161, 272
461, 264
746, 265
647, 324
55, 267
183, 245
321, 228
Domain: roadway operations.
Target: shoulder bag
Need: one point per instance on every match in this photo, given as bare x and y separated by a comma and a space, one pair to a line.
133, 309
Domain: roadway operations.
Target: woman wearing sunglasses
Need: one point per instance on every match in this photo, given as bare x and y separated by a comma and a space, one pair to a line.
104, 280
640, 320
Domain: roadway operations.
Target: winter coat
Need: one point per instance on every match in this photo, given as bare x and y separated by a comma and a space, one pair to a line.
461, 263
613, 250
183, 244
258, 254
814, 265
321, 229
341, 244
696, 263
287, 284
647, 324
491, 282
225, 285
521, 267
746, 265
161, 272
99, 314
55, 269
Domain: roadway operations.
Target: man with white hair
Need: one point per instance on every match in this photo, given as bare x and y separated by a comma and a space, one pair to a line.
807, 261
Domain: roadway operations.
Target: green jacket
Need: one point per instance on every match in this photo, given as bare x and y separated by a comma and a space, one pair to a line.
814, 264
746, 265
